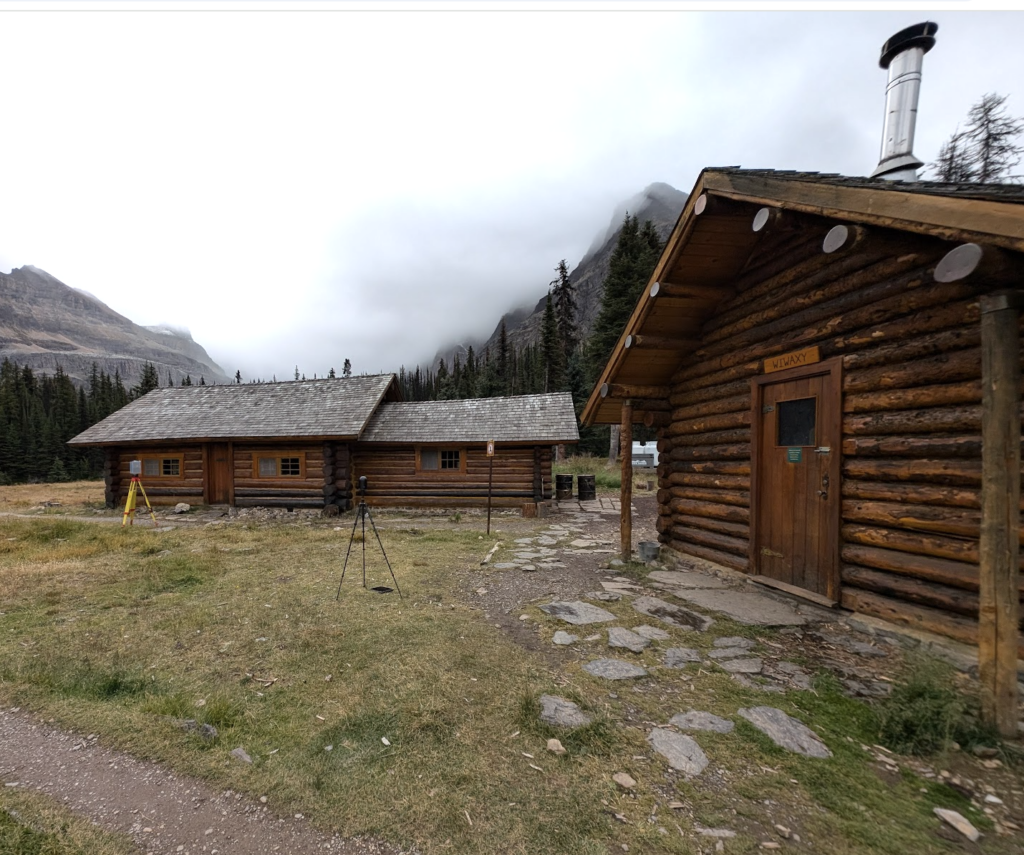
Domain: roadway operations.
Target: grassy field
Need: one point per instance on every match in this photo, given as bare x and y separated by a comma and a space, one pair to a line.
124, 632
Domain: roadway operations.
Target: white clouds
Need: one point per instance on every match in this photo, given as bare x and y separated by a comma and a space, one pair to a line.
296, 184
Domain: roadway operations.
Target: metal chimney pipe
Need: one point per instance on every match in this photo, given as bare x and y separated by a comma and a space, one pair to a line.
903, 55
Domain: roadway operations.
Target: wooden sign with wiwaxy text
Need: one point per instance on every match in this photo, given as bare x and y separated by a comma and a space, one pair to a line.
807, 356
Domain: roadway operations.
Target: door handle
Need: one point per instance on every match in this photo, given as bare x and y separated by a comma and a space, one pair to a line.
823, 493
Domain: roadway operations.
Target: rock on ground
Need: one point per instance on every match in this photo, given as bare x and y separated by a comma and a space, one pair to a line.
577, 612
562, 713
680, 657
563, 638
681, 752
671, 614
614, 669
620, 637
959, 822
785, 731
697, 720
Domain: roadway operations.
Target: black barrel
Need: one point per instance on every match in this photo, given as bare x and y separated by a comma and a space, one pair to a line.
563, 487
587, 488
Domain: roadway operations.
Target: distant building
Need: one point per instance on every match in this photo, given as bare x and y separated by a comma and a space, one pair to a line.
306, 443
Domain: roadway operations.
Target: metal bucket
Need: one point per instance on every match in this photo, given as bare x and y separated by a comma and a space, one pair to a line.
587, 488
563, 487
648, 550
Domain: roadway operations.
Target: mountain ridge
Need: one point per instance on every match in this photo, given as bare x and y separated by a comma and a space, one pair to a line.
659, 202
45, 323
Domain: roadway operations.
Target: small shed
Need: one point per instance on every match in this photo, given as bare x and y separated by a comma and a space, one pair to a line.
304, 444
812, 351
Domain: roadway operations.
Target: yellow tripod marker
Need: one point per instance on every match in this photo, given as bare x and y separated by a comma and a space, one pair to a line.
135, 468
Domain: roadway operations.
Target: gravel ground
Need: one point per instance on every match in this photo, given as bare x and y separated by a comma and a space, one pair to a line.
161, 812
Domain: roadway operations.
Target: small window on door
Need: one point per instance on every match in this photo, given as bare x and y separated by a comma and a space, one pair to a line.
797, 421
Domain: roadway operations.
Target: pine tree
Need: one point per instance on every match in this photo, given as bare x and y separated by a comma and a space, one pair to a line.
346, 369
238, 377
986, 150
632, 263
503, 368
330, 374
564, 293
147, 383
551, 346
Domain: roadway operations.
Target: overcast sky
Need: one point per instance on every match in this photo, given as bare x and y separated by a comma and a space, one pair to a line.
302, 186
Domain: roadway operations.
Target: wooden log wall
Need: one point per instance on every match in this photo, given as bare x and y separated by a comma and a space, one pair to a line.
253, 491
111, 477
911, 428
161, 490
338, 487
521, 475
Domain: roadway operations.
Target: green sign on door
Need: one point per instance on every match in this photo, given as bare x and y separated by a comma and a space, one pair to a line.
794, 455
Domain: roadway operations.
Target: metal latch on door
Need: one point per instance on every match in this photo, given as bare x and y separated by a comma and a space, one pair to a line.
823, 449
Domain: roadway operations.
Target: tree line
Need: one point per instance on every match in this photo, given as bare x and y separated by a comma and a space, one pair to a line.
39, 413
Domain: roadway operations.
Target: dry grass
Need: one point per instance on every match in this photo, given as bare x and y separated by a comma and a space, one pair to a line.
32, 824
121, 631
73, 496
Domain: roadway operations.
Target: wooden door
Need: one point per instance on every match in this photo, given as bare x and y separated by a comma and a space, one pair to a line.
219, 473
795, 491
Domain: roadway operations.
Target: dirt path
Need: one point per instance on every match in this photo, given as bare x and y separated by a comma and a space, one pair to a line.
160, 811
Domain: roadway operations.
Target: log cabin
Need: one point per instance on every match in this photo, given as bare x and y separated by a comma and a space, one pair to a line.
304, 444
832, 366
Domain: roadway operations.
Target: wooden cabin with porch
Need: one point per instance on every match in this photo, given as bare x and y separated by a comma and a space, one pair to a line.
833, 368
303, 444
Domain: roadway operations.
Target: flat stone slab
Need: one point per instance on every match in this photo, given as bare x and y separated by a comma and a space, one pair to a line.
680, 750
604, 596
563, 638
620, 637
614, 669
735, 641
506, 565
651, 632
786, 731
750, 608
680, 657
742, 666
728, 652
683, 579
546, 541
581, 543
671, 614
697, 720
562, 713
577, 612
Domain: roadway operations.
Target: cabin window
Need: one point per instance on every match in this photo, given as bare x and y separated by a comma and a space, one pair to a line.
441, 460
284, 466
161, 467
797, 421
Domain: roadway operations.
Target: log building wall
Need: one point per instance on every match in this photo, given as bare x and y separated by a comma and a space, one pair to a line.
188, 487
521, 475
291, 492
911, 427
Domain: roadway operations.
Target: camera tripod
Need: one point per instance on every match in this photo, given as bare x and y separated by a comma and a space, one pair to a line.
362, 513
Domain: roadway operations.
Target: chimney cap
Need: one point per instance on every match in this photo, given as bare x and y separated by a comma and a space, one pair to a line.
919, 35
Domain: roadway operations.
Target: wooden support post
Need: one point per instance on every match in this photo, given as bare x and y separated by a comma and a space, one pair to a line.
1000, 514
626, 490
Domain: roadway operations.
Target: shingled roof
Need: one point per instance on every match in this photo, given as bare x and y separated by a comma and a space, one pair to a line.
335, 408
522, 419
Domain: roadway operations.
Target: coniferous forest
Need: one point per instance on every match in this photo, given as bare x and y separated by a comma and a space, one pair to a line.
39, 413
